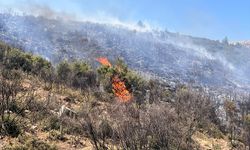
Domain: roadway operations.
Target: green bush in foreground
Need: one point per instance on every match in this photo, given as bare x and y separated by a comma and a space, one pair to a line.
10, 126
27, 143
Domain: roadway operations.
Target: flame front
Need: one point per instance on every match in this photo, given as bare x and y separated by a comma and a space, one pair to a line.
104, 61
118, 86
120, 90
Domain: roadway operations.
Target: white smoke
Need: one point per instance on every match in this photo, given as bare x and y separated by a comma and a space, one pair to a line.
43, 10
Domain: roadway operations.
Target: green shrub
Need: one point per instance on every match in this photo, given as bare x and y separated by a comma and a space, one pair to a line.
40, 145
64, 72
70, 126
16, 59
31, 144
19, 60
16, 108
54, 135
1, 54
3, 49
214, 131
15, 147
12, 74
40, 64
105, 130
51, 123
10, 126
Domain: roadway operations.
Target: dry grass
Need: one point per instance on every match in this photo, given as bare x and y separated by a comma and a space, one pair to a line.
209, 143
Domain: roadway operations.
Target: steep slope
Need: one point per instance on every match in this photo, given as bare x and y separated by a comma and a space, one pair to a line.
47, 112
165, 55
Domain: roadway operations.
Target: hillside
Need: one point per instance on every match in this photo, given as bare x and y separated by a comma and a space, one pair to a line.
74, 106
245, 43
159, 54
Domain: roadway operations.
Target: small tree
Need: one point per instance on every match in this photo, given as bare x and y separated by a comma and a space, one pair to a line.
231, 116
13, 101
247, 131
80, 76
64, 71
2, 51
225, 40
40, 64
192, 109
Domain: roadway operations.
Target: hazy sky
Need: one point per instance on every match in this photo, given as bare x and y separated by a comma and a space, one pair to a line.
213, 19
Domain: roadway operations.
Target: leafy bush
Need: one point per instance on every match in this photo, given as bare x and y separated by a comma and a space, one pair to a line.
19, 60
82, 75
15, 108
51, 123
35, 144
133, 81
10, 126
105, 130
54, 135
40, 64
64, 72
2, 50
214, 131
71, 126
30, 144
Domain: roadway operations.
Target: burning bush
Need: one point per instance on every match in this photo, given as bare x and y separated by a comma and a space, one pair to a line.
118, 86
120, 89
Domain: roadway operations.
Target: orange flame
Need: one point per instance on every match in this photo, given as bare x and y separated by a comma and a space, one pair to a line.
120, 90
118, 86
104, 61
